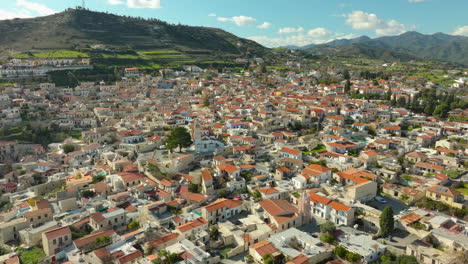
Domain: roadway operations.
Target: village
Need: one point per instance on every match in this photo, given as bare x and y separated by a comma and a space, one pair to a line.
207, 166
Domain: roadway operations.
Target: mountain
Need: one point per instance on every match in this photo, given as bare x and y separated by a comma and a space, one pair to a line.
409, 45
341, 42
80, 28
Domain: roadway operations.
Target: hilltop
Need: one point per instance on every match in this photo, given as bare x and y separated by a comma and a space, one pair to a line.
77, 29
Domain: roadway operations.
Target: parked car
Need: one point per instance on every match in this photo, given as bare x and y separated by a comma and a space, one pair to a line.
380, 199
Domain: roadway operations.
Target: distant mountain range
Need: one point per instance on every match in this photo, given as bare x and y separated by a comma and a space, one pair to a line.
407, 46
80, 28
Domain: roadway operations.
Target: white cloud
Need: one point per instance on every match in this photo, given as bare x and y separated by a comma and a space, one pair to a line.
296, 40
318, 33
361, 20
288, 30
211, 14
239, 20
264, 25
348, 36
23, 13
40, 9
144, 3
461, 31
115, 2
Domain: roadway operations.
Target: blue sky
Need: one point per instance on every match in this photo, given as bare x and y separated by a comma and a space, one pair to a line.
279, 22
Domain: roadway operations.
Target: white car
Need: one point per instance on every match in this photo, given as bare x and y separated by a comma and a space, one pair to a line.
380, 199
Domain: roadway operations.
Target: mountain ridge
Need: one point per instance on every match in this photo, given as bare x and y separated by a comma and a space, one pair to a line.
409, 45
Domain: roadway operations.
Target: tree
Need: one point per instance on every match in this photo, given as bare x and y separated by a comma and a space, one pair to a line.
214, 233
347, 86
340, 251
267, 259
87, 194
327, 238
194, 188
67, 148
206, 102
353, 257
134, 225
386, 221
327, 227
179, 137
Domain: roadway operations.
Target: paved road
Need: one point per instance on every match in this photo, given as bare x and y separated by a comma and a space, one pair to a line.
396, 205
400, 239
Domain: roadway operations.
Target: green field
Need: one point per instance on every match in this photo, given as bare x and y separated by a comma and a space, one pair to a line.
33, 255
463, 190
53, 54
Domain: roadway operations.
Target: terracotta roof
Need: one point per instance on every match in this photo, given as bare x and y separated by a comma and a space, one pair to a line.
163, 239
206, 175
192, 225
81, 242
222, 203
447, 191
263, 248
291, 151
130, 257
57, 232
426, 165
268, 190
280, 209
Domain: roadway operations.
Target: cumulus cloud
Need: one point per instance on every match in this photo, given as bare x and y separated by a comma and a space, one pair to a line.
318, 33
40, 9
264, 25
26, 9
239, 20
461, 31
211, 14
4, 14
115, 2
288, 30
296, 40
361, 20
144, 4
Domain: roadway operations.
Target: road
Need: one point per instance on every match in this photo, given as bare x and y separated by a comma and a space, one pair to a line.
396, 205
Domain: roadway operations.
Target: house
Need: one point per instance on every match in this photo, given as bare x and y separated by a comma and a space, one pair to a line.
330, 210
355, 186
369, 249
293, 245
220, 210
317, 173
445, 195
116, 220
280, 213
425, 167
291, 153
57, 239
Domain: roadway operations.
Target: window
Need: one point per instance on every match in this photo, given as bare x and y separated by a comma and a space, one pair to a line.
54, 241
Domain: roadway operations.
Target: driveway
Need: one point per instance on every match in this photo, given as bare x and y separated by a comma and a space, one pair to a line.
396, 205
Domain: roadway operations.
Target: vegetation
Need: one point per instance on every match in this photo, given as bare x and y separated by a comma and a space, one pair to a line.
327, 227
179, 137
327, 238
386, 221
87, 193
268, 259
67, 148
31, 256
168, 257
345, 254
463, 189
134, 225
441, 207
98, 243
214, 233
194, 188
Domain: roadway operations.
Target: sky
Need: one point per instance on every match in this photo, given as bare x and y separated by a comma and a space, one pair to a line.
275, 23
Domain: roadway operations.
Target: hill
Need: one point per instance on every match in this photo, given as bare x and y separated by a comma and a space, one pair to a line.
407, 46
78, 29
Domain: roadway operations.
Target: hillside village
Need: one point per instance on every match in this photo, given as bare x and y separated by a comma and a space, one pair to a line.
206, 166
